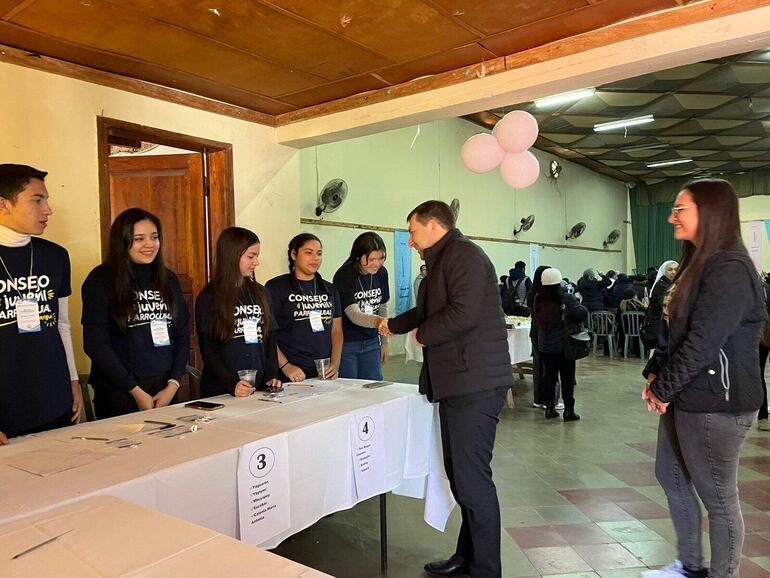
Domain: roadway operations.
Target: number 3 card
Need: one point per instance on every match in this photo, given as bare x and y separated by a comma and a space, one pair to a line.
263, 489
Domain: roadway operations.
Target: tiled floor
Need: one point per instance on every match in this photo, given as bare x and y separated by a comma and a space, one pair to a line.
578, 499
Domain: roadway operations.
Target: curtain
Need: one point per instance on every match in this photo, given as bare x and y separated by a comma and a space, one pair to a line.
654, 240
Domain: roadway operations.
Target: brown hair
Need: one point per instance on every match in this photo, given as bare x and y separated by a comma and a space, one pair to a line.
718, 230
225, 285
438, 210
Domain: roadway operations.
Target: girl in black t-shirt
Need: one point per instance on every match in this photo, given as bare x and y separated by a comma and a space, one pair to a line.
307, 311
135, 320
363, 285
233, 320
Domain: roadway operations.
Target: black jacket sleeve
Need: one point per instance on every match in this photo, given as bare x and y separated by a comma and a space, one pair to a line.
209, 345
97, 321
181, 337
714, 317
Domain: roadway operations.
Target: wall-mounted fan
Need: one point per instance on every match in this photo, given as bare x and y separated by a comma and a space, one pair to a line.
331, 196
575, 231
526, 224
554, 169
612, 238
454, 206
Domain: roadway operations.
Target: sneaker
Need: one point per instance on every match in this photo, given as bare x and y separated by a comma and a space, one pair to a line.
675, 570
763, 424
559, 405
538, 405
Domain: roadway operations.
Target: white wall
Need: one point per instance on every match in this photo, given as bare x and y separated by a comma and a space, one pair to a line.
756, 208
49, 122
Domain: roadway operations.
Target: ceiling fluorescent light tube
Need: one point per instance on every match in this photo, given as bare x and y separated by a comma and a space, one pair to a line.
667, 163
564, 98
660, 145
602, 126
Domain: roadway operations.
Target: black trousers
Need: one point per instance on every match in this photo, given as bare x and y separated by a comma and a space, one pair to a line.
111, 401
537, 374
555, 366
763, 351
468, 426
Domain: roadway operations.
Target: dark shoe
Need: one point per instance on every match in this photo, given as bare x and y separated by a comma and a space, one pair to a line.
551, 413
570, 415
455, 566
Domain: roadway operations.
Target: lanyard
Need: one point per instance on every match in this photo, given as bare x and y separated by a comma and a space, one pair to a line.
31, 263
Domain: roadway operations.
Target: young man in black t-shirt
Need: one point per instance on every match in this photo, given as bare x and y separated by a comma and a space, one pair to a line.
39, 387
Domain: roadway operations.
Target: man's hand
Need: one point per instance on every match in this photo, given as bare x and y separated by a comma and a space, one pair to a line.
293, 372
77, 402
165, 395
383, 329
243, 389
142, 398
384, 349
414, 338
3, 439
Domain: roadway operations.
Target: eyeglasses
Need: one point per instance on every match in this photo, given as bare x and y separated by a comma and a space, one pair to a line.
678, 209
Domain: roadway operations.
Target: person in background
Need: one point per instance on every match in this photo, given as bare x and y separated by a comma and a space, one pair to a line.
519, 272
653, 319
703, 378
467, 370
418, 280
591, 290
135, 320
538, 400
764, 348
558, 315
233, 319
362, 281
307, 311
39, 386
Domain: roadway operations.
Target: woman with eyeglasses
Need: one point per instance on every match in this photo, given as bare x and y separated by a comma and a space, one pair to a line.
703, 378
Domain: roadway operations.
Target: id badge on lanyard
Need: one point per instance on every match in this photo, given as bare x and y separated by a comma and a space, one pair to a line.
368, 309
28, 316
159, 331
316, 322
251, 330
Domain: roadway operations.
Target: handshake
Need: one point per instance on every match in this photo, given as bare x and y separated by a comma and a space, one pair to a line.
383, 329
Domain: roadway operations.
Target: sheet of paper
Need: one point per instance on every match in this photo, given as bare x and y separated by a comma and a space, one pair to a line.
49, 462
264, 507
367, 444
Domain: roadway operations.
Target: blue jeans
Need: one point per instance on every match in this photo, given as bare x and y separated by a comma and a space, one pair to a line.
701, 450
361, 359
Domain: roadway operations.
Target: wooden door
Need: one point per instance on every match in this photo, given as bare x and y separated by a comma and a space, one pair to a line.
171, 187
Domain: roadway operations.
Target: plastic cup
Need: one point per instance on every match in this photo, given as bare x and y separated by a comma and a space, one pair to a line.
321, 366
248, 375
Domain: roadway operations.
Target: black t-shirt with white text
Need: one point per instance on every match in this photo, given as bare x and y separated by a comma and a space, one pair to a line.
121, 358
363, 290
291, 308
34, 377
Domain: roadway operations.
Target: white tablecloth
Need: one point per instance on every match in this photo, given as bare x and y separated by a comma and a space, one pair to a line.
519, 346
109, 537
194, 477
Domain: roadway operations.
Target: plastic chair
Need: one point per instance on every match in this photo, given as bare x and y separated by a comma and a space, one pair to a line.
632, 323
602, 324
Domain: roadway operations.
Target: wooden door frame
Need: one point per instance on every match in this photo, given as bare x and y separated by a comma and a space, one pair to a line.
219, 160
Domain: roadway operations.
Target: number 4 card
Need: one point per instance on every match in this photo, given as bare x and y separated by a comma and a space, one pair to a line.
263, 489
367, 443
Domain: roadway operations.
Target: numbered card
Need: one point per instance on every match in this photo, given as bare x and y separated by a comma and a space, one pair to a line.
264, 507
367, 443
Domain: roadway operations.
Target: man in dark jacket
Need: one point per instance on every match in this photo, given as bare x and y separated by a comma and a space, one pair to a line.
467, 371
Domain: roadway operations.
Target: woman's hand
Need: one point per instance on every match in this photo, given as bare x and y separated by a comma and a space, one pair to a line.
243, 389
384, 349
653, 403
274, 384
293, 372
331, 372
142, 398
3, 439
165, 395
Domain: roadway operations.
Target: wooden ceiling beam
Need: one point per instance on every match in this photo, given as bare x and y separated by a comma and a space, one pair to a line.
675, 37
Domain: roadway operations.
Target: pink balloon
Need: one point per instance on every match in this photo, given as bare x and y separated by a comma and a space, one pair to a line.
481, 153
516, 131
519, 170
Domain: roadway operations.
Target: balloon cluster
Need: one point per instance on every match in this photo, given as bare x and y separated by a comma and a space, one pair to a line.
507, 148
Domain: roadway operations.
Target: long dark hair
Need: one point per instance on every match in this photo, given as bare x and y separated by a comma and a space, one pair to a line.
295, 245
122, 280
537, 284
719, 229
225, 285
365, 244
548, 302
